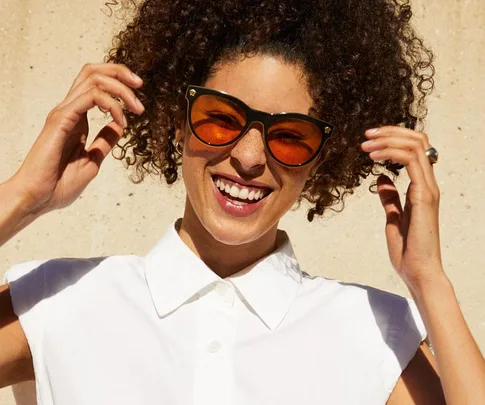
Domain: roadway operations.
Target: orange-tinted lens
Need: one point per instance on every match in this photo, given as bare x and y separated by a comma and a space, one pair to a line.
216, 120
294, 141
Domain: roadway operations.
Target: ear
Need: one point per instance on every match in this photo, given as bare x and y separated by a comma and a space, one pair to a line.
179, 136
316, 166
179, 133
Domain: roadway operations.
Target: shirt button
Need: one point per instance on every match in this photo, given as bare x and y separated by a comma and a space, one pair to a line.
214, 346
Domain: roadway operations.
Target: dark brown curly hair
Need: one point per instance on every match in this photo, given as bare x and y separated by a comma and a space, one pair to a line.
365, 64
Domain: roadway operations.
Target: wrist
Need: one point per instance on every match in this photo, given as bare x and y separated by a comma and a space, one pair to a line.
21, 204
436, 285
15, 212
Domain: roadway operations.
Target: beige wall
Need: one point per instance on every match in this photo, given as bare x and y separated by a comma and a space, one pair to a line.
43, 44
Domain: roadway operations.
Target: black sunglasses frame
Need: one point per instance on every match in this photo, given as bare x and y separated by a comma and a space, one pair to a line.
252, 116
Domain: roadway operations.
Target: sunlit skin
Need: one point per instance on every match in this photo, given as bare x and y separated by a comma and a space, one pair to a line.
224, 242
60, 165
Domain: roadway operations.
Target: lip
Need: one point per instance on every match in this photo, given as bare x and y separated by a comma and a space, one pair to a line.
243, 182
238, 210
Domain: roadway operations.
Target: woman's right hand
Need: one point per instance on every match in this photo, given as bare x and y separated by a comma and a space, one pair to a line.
59, 166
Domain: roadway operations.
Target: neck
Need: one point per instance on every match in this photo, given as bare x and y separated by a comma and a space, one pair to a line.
224, 260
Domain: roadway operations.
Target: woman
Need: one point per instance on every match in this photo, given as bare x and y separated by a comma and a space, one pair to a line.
262, 104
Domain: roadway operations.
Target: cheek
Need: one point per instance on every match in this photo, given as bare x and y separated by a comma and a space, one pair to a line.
196, 158
293, 182
197, 154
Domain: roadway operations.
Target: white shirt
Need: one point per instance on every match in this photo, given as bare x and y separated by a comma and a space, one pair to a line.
165, 329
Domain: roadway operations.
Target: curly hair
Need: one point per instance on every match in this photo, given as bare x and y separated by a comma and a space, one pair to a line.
365, 64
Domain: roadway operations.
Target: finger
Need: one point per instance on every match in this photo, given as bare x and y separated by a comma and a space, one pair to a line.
109, 85
68, 116
391, 203
391, 130
390, 199
407, 158
412, 144
118, 71
104, 142
389, 141
421, 146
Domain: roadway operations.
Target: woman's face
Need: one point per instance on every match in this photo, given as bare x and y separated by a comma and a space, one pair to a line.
267, 84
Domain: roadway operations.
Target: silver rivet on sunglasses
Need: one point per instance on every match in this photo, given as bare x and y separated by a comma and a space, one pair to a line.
192, 92
327, 130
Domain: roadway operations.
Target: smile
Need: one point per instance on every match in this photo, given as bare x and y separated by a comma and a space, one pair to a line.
239, 192
237, 199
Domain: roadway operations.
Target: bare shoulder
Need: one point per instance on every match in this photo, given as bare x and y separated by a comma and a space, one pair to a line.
419, 383
15, 357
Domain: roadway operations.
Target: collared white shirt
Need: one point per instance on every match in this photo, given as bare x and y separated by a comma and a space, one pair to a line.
165, 329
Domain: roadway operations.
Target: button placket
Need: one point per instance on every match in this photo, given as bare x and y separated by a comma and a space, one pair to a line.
214, 346
217, 324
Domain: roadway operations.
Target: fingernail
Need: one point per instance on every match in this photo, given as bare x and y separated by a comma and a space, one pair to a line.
368, 142
125, 122
139, 104
136, 78
372, 131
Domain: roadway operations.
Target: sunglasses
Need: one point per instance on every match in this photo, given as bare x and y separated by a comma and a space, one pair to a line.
219, 119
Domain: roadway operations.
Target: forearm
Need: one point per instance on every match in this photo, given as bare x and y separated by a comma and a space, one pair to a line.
460, 363
14, 212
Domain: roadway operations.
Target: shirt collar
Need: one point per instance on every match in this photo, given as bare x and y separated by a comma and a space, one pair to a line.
174, 274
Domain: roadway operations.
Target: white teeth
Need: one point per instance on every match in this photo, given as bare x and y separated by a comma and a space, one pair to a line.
234, 192
241, 193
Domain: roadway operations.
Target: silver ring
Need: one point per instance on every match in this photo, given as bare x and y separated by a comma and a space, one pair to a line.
432, 154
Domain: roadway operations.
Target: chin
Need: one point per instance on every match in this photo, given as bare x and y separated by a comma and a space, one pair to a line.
234, 232
205, 212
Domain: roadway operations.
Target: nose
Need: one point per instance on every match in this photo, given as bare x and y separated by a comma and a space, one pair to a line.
249, 152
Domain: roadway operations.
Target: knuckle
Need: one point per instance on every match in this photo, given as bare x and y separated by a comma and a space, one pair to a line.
412, 155
88, 67
95, 76
98, 98
95, 92
123, 67
430, 196
54, 115
127, 71
116, 107
416, 144
436, 194
427, 197
423, 136
50, 114
386, 128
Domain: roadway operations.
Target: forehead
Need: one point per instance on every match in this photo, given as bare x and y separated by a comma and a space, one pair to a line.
264, 83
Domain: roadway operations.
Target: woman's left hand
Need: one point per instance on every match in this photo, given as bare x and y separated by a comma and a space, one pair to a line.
412, 232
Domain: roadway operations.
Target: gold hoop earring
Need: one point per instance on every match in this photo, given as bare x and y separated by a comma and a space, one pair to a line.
179, 148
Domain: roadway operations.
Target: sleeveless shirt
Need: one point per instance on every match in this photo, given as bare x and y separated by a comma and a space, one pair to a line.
164, 329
